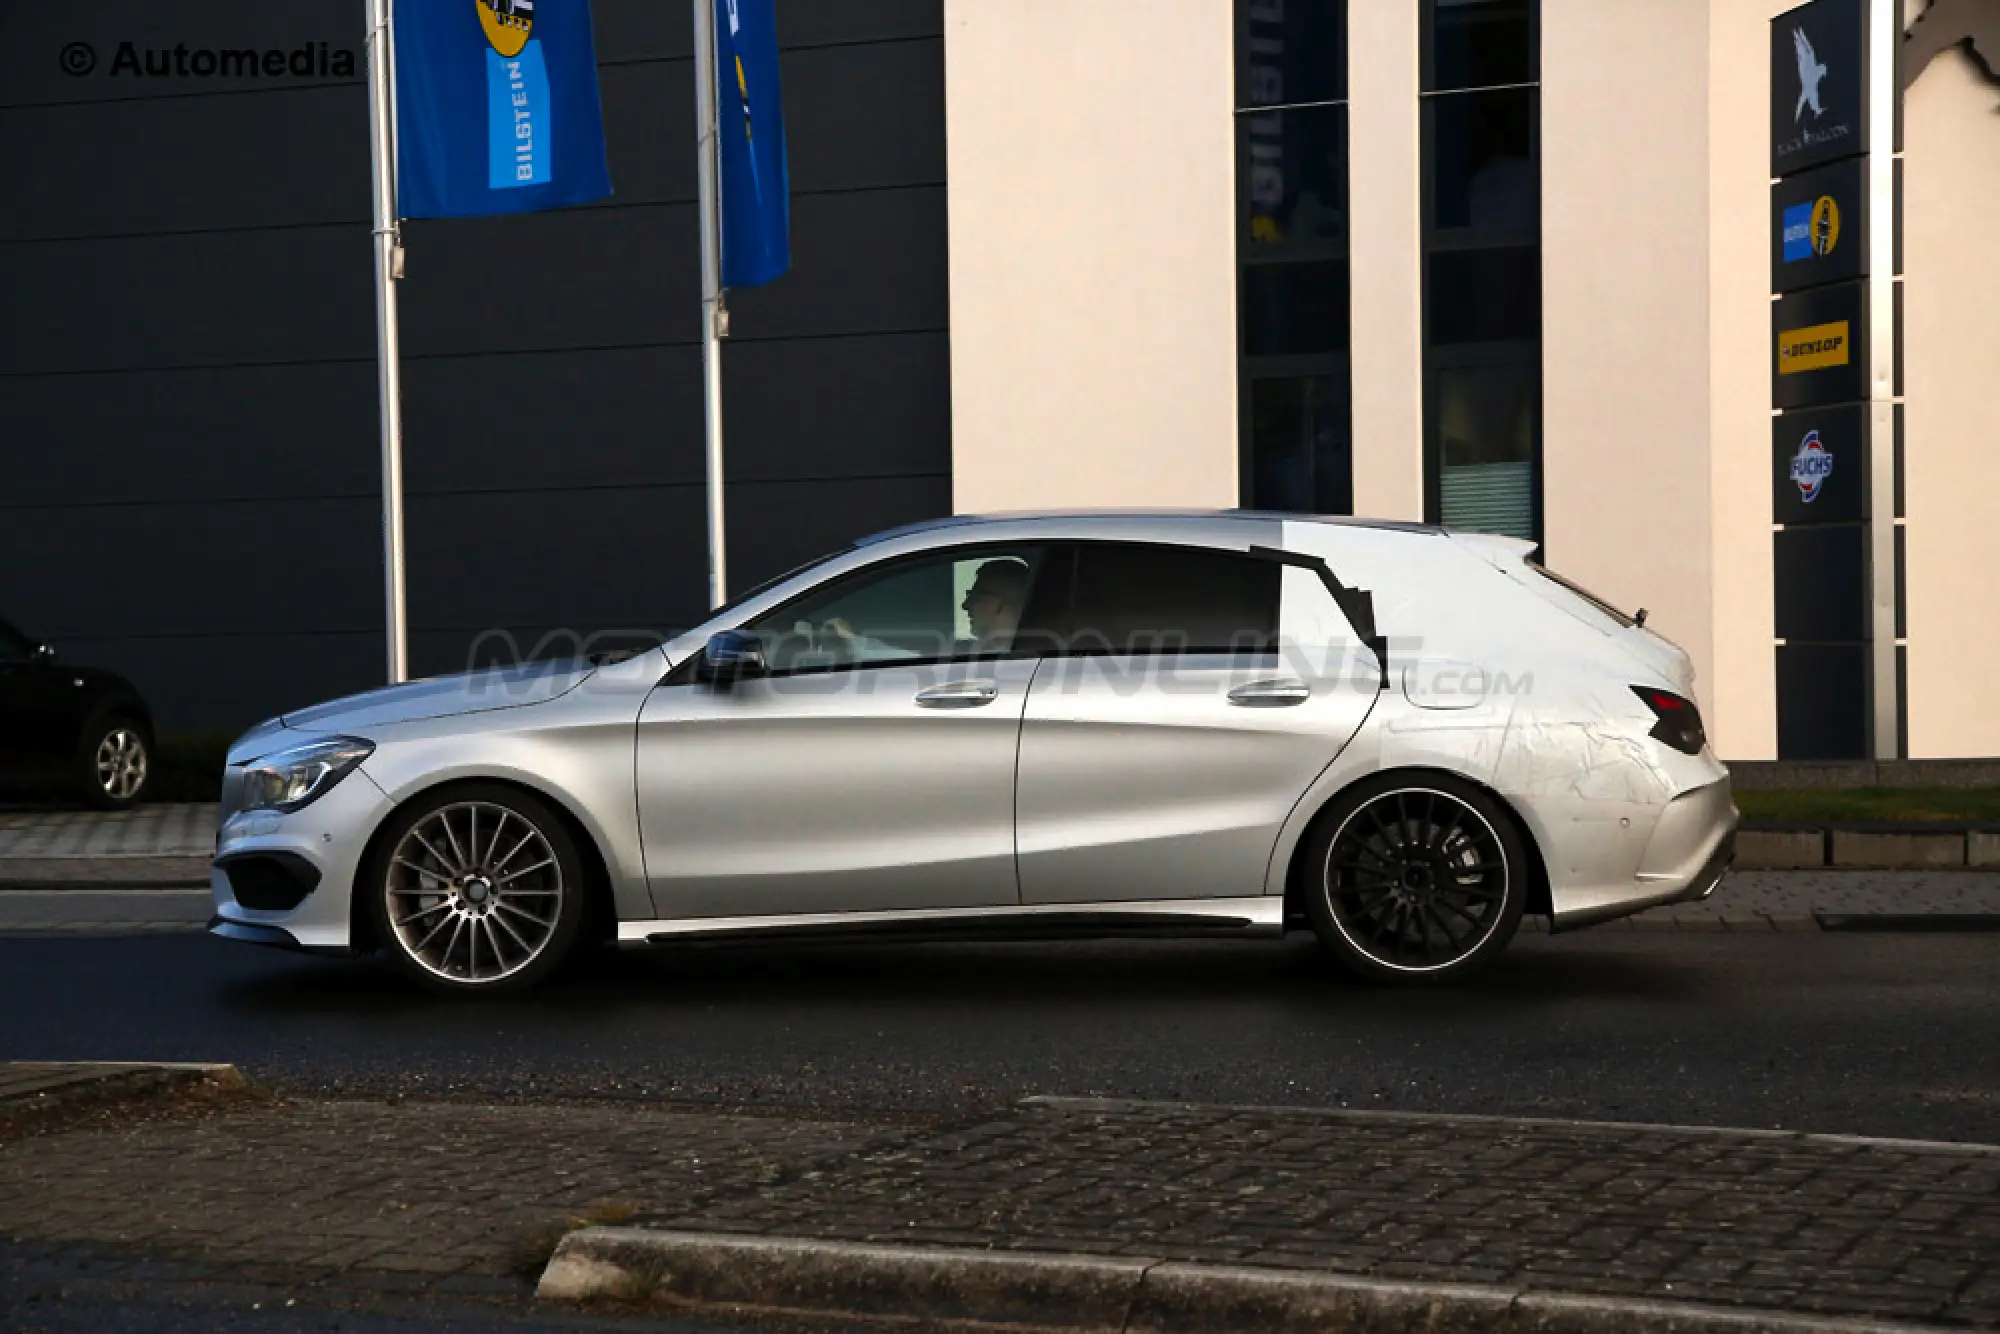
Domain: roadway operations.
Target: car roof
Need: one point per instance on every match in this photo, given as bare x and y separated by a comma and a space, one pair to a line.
1085, 518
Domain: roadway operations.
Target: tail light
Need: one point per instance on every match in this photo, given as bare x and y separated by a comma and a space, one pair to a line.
1680, 721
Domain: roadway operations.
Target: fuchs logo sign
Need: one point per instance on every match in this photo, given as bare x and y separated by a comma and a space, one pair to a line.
1811, 466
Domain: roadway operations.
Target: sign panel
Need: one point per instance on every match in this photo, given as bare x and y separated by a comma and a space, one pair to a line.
1823, 701
1821, 583
1819, 466
1819, 84
1819, 226
1819, 349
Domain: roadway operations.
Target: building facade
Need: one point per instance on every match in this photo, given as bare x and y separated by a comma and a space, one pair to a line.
1504, 264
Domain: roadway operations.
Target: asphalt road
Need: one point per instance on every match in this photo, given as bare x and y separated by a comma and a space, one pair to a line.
1864, 1033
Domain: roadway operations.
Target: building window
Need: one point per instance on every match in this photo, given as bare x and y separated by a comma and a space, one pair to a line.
1291, 247
1482, 266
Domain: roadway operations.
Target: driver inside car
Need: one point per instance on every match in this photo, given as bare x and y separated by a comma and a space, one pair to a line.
992, 608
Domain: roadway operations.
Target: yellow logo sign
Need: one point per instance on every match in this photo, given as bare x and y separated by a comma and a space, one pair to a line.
1812, 348
1825, 225
507, 24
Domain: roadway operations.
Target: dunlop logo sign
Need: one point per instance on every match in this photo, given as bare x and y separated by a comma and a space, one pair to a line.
1813, 348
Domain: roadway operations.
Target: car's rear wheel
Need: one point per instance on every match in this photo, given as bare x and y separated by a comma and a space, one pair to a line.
476, 889
115, 763
1416, 878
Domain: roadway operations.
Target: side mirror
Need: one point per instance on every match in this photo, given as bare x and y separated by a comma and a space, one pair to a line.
45, 653
730, 655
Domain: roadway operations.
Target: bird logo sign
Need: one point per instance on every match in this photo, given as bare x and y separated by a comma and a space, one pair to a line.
1810, 74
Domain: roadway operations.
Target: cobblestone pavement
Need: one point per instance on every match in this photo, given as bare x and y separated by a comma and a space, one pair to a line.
172, 829
1772, 1221
466, 1197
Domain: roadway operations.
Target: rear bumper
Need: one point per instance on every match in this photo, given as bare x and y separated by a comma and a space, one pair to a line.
1690, 850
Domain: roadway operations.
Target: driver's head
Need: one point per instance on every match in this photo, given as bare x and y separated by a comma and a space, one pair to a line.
993, 603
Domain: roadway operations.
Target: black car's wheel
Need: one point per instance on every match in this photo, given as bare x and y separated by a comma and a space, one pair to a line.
114, 763
1416, 878
477, 888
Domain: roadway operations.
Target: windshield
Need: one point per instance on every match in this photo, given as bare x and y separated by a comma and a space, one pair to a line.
1614, 613
747, 595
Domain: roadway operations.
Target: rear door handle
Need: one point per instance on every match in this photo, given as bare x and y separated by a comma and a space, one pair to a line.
959, 695
1274, 694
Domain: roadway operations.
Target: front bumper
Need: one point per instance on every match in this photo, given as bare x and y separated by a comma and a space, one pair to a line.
319, 847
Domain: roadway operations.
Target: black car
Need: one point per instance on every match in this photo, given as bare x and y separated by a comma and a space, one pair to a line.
80, 729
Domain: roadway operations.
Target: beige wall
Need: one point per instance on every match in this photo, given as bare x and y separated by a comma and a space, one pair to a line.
1092, 226
1625, 310
1385, 228
1743, 688
1951, 279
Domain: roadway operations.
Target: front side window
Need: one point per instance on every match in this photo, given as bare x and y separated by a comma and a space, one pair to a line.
927, 609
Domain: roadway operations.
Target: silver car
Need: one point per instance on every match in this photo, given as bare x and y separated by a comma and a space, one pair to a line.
1227, 724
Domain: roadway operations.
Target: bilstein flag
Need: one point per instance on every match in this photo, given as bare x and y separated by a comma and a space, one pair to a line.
750, 128
496, 107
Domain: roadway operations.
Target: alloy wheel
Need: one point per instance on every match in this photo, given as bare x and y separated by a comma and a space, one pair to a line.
1416, 880
121, 764
474, 892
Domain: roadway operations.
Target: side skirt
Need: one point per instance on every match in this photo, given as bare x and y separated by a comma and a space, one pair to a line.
1261, 916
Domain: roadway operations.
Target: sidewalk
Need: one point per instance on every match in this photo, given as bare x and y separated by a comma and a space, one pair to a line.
146, 846
472, 1196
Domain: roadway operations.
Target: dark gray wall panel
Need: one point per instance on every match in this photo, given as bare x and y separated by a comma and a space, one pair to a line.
169, 569
187, 378
870, 262
867, 262
237, 433
857, 117
861, 406
776, 526
303, 294
651, 30
616, 417
131, 172
32, 36
838, 407
226, 682
624, 556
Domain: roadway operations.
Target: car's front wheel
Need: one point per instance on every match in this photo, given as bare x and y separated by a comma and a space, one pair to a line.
476, 889
1415, 878
115, 762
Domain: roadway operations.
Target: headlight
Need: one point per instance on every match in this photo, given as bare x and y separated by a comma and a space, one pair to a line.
288, 779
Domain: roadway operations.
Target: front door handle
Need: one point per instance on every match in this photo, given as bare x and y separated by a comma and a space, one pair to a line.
959, 695
1274, 694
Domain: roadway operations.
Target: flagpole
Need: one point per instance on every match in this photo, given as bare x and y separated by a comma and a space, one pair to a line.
713, 315
388, 353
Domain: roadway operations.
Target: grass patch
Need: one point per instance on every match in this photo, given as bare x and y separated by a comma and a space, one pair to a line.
1907, 805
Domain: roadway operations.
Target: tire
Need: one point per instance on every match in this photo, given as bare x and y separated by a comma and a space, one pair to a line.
114, 763
460, 885
1415, 878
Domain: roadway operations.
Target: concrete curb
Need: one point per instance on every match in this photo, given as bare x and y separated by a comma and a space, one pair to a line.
1134, 1294
36, 1088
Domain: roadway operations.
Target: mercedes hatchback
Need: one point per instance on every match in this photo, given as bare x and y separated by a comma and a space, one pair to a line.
1397, 737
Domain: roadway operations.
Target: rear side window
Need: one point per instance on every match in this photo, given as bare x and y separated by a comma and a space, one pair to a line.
1147, 599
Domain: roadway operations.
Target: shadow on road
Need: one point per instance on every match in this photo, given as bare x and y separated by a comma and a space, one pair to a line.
1072, 976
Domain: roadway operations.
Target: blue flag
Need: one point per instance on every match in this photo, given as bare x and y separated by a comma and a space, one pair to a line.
496, 107
756, 184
